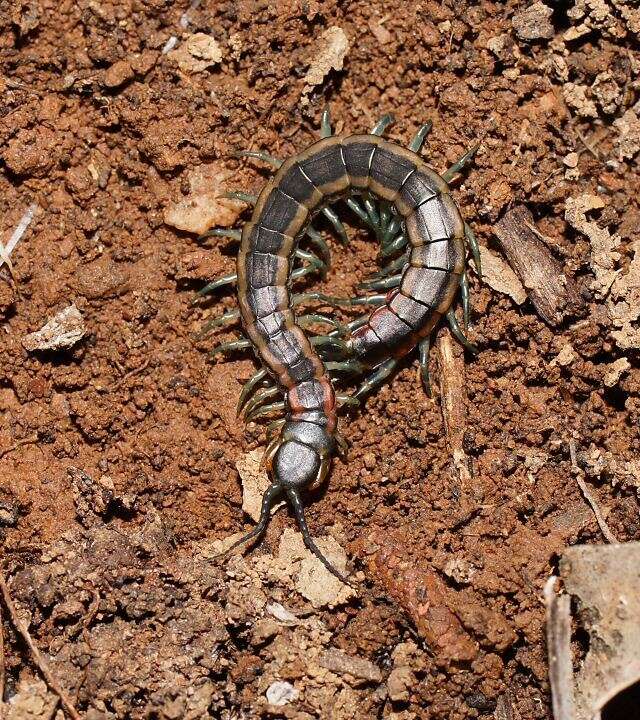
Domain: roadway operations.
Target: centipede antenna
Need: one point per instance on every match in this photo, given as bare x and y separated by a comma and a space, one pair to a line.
298, 510
270, 494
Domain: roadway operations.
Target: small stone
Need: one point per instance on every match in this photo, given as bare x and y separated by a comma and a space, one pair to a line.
565, 357
197, 53
118, 74
205, 205
264, 630
62, 331
101, 279
281, 693
628, 142
399, 683
343, 664
533, 23
571, 160
369, 461
615, 371
8, 514
576, 97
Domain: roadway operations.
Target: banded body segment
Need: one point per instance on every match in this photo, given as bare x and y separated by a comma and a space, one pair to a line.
322, 163
278, 212
391, 167
357, 152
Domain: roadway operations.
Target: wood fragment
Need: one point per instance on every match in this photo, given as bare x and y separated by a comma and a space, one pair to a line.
2, 666
38, 659
453, 397
552, 293
588, 495
559, 648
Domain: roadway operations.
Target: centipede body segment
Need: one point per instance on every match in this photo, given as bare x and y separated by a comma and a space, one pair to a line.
417, 212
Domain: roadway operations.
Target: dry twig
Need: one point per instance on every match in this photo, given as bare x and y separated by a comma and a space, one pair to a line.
559, 649
588, 495
453, 397
39, 660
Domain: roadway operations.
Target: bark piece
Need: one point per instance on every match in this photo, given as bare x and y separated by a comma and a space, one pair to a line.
552, 293
422, 594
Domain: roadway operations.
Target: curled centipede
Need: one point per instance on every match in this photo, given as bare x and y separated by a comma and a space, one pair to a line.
422, 236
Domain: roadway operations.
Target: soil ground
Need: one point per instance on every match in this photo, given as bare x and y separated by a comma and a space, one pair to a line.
118, 456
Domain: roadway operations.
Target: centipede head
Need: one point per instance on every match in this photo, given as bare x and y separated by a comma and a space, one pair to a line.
298, 458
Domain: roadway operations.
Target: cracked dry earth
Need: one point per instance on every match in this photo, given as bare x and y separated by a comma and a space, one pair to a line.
119, 445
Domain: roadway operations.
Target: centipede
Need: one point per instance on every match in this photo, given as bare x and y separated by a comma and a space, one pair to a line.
423, 240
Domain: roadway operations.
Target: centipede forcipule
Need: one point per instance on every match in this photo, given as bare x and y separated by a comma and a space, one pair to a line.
416, 220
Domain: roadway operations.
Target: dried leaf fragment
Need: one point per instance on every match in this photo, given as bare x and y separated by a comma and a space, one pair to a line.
603, 256
329, 55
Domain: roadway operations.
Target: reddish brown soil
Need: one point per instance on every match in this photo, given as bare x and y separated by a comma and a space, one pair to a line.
134, 623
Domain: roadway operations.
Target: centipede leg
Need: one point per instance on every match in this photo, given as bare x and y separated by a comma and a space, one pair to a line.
319, 319
391, 267
393, 247
221, 232
352, 367
465, 299
333, 218
331, 344
460, 164
376, 378
312, 259
457, 332
214, 285
419, 138
384, 284
334, 301
472, 242
259, 399
423, 349
266, 410
244, 197
249, 386
226, 319
382, 124
269, 496
316, 238
259, 155
231, 346
325, 124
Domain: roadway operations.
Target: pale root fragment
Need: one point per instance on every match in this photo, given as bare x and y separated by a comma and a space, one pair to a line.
329, 55
499, 276
62, 331
205, 205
